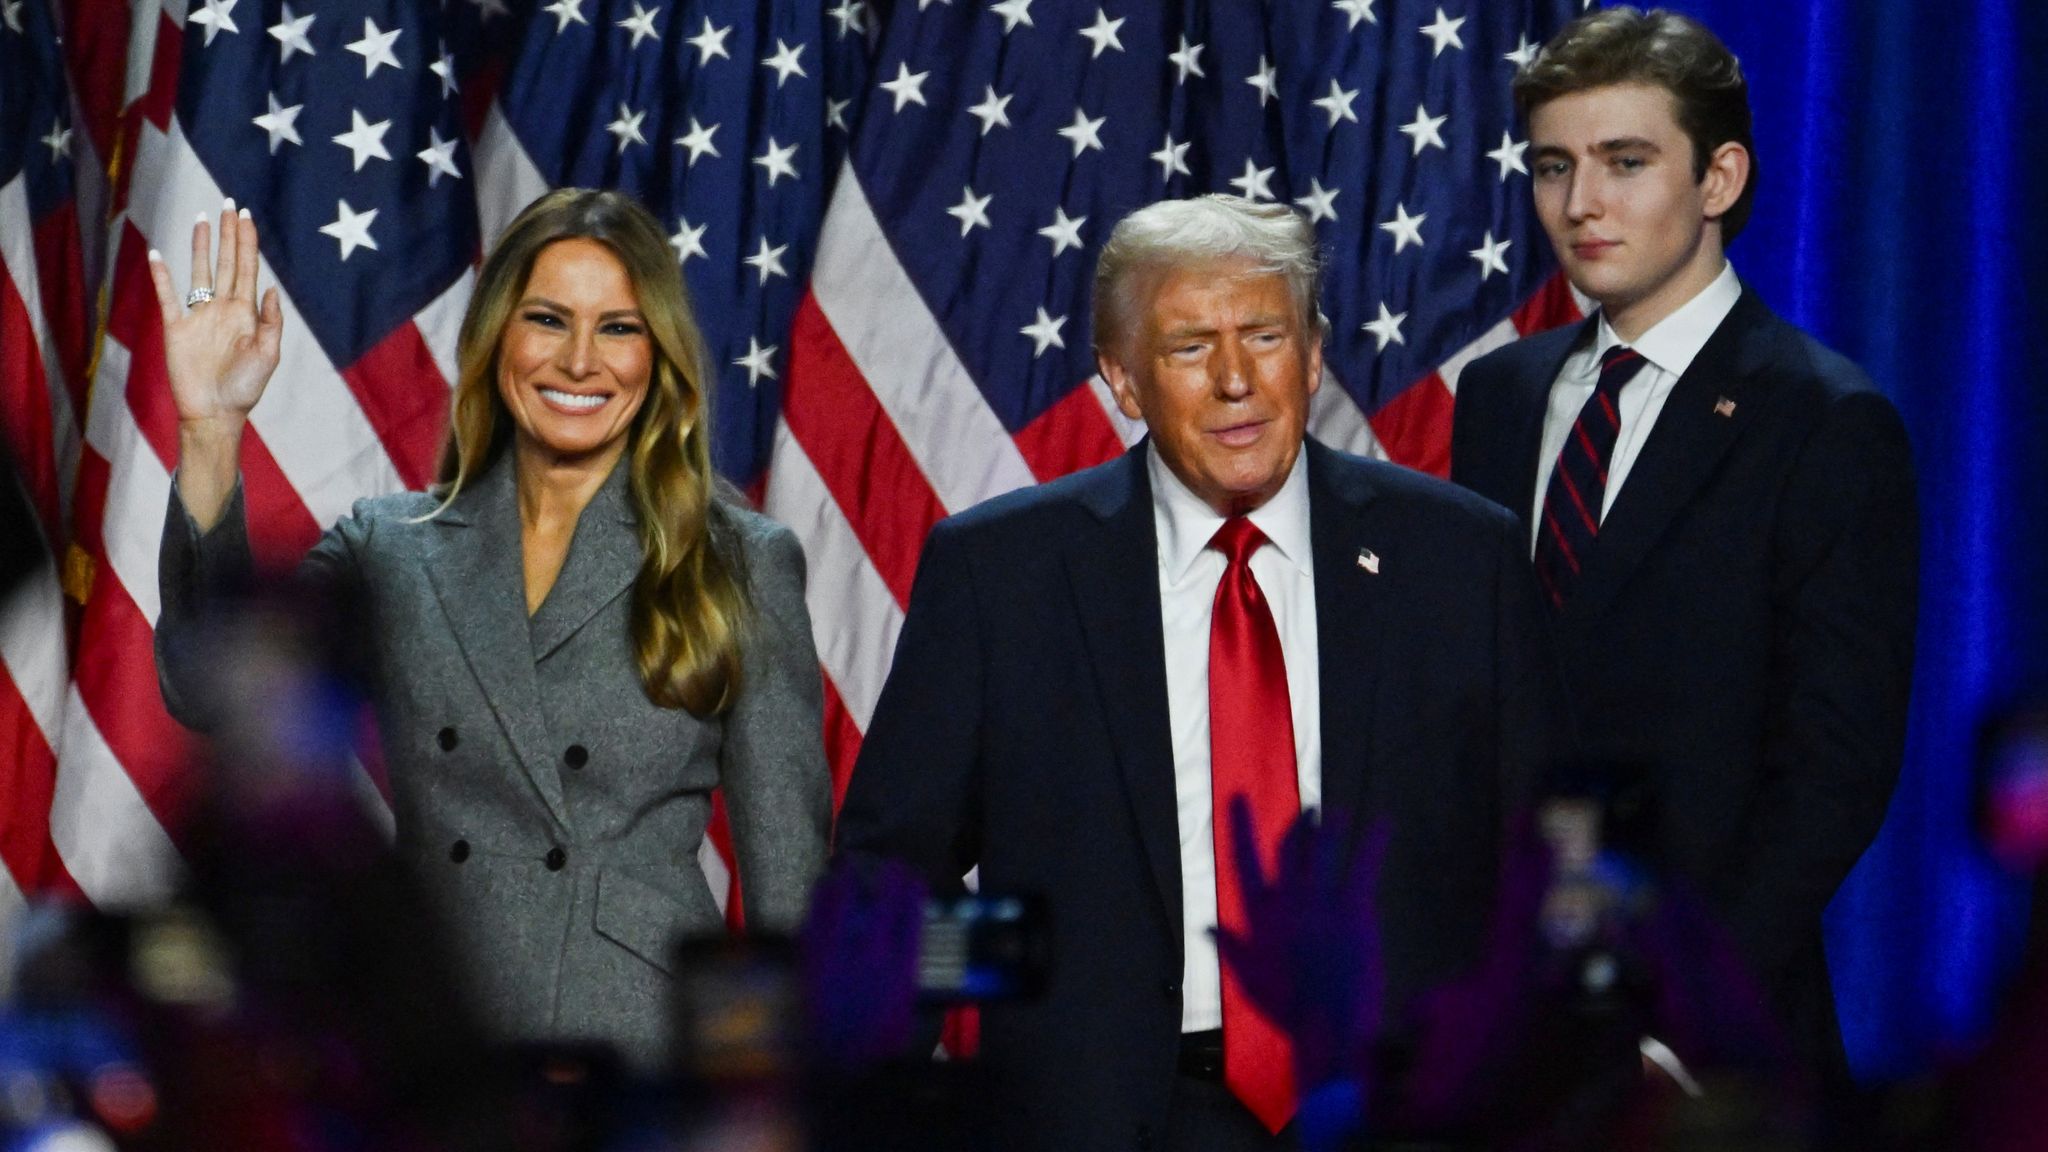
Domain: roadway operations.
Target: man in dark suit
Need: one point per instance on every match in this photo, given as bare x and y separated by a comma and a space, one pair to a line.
1086, 681
1721, 510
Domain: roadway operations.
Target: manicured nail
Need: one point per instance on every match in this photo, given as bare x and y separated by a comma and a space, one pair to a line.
203, 217
244, 213
155, 257
228, 205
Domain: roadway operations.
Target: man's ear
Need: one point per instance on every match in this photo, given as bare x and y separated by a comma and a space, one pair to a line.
1726, 176
1120, 385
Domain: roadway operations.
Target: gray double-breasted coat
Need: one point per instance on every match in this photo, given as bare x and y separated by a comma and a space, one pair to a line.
553, 813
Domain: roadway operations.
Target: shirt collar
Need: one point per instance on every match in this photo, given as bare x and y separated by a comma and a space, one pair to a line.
1675, 341
1186, 523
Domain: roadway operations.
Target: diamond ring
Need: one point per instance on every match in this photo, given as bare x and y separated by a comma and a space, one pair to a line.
198, 296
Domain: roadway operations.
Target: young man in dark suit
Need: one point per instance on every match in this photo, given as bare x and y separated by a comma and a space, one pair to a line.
1092, 671
1721, 510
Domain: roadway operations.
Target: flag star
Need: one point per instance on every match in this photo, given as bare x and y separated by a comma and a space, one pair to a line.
1386, 328
971, 211
1338, 104
1443, 32
486, 9
566, 12
1523, 53
768, 261
351, 229
439, 157
375, 48
1320, 203
641, 25
835, 113
626, 127
1013, 12
214, 18
1404, 228
993, 111
1171, 158
850, 15
687, 241
281, 123
445, 69
758, 362
10, 14
1085, 133
1188, 60
907, 87
1064, 231
710, 42
364, 139
1256, 182
1425, 130
58, 142
290, 34
1045, 332
778, 162
1265, 80
1360, 12
1509, 156
784, 63
1103, 34
698, 141
1492, 257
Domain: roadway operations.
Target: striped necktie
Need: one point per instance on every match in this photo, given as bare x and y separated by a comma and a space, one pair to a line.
1578, 484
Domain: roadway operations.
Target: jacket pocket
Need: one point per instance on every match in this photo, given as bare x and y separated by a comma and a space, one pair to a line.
647, 921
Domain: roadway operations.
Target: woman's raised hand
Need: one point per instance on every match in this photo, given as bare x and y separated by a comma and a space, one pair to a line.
220, 348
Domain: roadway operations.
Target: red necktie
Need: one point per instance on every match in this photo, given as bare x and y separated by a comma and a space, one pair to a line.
1251, 754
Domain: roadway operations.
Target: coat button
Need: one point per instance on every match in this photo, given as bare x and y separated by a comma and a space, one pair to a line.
577, 756
459, 851
556, 859
447, 739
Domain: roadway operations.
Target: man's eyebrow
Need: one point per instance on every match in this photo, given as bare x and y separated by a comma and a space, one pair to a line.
1627, 144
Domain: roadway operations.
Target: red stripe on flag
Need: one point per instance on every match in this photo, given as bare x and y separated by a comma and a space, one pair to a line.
719, 832
28, 778
161, 99
401, 391
280, 528
1069, 436
1415, 427
1550, 306
89, 503
96, 48
60, 266
134, 319
25, 418
842, 742
116, 678
857, 450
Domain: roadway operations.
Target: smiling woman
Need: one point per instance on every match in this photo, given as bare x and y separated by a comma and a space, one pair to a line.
576, 636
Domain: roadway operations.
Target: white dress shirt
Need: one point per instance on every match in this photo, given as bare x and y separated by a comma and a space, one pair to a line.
1189, 571
1668, 348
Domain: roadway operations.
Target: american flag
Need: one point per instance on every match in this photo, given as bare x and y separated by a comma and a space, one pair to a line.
887, 216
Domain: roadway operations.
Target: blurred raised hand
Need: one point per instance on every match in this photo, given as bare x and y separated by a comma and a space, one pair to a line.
220, 348
860, 945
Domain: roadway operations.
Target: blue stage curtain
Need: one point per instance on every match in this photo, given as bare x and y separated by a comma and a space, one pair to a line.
1903, 160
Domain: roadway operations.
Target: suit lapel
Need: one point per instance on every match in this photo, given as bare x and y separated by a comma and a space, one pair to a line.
473, 562
1114, 574
604, 557
1708, 408
1348, 625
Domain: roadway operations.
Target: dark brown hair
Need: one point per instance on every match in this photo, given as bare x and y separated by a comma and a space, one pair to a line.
1676, 53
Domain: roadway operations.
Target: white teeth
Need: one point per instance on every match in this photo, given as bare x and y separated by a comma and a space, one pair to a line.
569, 400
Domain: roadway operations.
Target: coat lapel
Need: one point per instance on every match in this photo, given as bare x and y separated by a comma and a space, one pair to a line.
604, 557
1114, 573
1348, 625
1708, 408
473, 562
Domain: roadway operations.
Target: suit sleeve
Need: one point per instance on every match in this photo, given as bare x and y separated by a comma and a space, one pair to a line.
778, 792
193, 566
1845, 592
915, 786
1535, 727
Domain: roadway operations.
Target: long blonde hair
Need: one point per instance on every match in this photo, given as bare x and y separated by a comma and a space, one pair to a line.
690, 609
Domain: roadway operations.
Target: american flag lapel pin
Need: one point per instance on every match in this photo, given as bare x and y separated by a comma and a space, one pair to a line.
1369, 560
1724, 407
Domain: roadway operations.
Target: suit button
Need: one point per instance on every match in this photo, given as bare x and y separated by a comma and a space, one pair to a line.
459, 851
577, 756
447, 739
556, 859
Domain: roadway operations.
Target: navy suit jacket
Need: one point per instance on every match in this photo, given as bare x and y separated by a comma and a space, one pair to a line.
1023, 729
1742, 630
